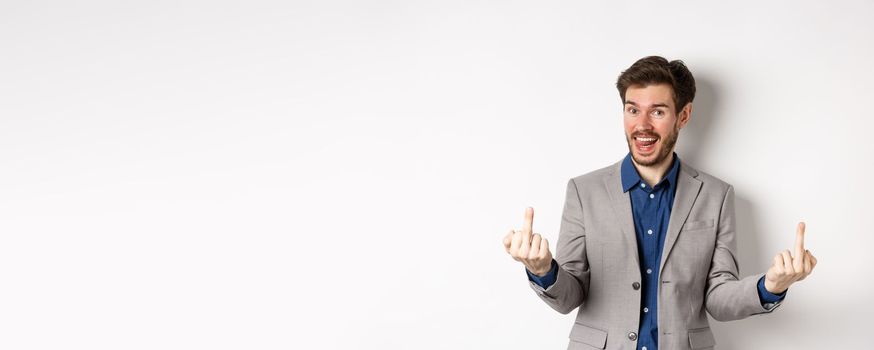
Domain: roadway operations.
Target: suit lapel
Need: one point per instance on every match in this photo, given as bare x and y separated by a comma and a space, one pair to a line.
621, 203
688, 188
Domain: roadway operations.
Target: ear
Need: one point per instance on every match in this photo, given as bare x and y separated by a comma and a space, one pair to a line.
684, 116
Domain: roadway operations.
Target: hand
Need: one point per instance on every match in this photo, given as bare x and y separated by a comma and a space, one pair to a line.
787, 269
530, 249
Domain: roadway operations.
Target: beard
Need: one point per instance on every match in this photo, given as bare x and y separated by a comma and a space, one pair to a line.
665, 148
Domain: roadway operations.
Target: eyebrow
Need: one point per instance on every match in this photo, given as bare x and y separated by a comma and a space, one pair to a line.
629, 102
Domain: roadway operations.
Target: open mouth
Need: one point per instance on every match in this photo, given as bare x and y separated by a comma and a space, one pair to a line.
645, 143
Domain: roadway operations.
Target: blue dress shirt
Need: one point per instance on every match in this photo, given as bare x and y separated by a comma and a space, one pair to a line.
651, 210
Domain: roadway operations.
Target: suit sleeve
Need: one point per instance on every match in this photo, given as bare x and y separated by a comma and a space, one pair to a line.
729, 298
572, 278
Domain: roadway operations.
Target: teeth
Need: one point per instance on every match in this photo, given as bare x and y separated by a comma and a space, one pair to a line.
646, 139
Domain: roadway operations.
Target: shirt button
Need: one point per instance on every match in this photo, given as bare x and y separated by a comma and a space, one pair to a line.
642, 185
648, 271
646, 309
651, 195
644, 348
649, 232
632, 336
635, 285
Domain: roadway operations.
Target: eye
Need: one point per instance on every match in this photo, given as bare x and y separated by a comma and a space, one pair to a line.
658, 113
632, 110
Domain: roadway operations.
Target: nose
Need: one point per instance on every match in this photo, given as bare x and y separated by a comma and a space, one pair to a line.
643, 124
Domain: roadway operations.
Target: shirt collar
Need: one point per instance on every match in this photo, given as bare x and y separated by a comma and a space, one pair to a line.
631, 178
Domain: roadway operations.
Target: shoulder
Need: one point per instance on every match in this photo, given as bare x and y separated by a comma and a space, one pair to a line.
708, 181
596, 177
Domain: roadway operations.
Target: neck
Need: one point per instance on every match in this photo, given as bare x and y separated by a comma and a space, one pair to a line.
653, 173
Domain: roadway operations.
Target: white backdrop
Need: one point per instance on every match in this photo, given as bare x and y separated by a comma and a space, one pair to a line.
339, 174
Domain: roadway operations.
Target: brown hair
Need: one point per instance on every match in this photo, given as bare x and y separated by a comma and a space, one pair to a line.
657, 70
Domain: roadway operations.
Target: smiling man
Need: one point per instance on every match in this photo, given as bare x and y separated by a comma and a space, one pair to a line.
647, 246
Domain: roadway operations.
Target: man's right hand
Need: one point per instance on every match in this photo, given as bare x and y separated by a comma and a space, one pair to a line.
529, 248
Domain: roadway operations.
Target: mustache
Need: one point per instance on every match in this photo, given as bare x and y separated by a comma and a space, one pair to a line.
643, 134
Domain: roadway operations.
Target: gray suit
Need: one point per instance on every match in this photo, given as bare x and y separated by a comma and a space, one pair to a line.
599, 269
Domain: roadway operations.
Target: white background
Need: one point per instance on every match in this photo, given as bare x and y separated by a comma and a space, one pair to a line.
339, 174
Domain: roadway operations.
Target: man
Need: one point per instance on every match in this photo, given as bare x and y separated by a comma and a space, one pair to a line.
647, 244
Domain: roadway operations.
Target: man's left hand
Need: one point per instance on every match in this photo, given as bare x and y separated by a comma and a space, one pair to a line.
788, 269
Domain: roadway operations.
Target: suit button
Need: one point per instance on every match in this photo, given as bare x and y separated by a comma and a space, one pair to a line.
635, 285
632, 336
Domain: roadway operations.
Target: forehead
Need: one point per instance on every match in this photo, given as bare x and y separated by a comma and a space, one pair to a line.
650, 95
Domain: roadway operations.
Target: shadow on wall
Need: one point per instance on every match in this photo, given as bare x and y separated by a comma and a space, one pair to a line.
752, 259
692, 144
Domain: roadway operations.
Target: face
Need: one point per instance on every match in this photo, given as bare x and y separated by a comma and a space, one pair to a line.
651, 123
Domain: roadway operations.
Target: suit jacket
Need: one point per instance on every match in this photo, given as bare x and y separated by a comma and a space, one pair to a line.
599, 269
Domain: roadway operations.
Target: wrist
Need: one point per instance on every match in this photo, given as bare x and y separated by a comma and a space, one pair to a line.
773, 288
540, 271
